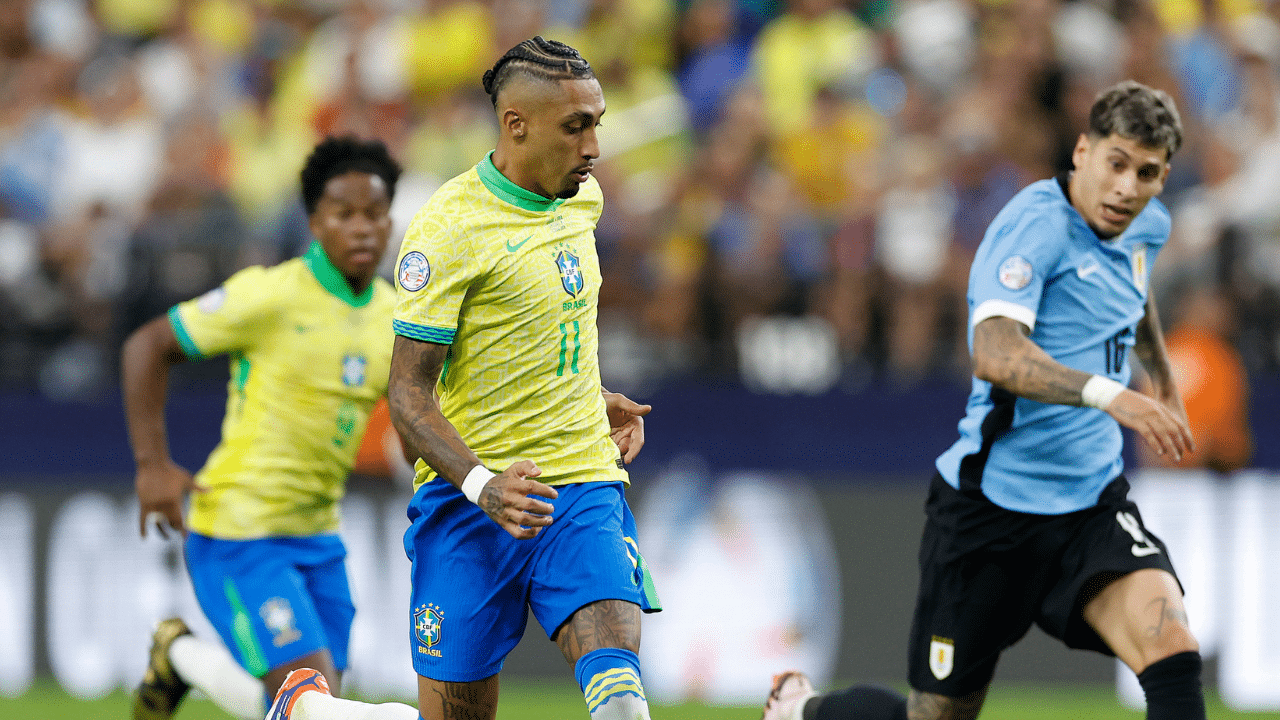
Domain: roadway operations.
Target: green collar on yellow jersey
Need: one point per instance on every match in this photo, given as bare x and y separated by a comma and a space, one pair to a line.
508, 191
331, 278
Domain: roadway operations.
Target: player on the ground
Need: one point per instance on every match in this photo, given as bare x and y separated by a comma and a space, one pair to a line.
1028, 519
310, 347
495, 366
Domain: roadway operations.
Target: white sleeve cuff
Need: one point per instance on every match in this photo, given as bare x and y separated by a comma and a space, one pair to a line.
1003, 308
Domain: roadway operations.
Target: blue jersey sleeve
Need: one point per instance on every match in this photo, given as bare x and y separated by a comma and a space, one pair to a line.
1012, 265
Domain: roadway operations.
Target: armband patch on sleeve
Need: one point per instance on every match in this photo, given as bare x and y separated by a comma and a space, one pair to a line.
414, 272
1015, 272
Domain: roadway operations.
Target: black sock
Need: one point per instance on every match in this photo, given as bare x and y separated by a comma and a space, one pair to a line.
864, 702
1173, 688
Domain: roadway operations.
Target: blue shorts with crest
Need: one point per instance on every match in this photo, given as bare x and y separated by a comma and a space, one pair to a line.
474, 584
274, 600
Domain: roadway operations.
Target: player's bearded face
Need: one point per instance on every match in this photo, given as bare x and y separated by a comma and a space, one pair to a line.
562, 139
1115, 179
352, 221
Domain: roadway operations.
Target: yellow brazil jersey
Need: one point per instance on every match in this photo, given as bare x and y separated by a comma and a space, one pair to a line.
309, 359
509, 280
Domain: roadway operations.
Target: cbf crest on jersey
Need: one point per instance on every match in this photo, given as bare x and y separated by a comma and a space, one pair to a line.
426, 628
353, 370
570, 272
942, 656
414, 272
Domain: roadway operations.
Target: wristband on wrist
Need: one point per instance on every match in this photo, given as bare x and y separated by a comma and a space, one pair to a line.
475, 482
1098, 392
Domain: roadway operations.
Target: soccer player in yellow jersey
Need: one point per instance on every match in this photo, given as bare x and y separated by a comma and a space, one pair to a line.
310, 343
495, 366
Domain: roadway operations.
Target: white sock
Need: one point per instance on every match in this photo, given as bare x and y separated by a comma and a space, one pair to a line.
319, 706
622, 707
211, 668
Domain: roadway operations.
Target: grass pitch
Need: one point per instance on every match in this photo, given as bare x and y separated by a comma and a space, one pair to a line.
556, 700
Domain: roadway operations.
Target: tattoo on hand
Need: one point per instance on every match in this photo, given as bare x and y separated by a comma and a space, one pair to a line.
491, 502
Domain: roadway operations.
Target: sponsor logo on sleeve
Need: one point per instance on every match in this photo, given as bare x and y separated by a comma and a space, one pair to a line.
1015, 272
414, 272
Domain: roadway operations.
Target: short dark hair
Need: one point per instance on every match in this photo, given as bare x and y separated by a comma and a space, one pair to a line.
339, 155
1137, 112
543, 59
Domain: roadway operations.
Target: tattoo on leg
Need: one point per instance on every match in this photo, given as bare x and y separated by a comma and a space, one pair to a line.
1165, 612
602, 624
928, 706
463, 701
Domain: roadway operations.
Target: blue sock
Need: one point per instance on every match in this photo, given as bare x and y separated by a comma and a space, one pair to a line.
610, 673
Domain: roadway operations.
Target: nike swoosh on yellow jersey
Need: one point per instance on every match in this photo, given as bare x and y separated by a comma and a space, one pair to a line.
513, 248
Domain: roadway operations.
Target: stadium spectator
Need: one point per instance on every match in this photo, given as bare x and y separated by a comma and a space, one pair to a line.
1028, 519
261, 542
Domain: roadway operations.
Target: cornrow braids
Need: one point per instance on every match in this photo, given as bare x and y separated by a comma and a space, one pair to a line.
540, 58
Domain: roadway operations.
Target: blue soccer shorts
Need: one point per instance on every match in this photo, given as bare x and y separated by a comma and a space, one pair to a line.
274, 600
474, 584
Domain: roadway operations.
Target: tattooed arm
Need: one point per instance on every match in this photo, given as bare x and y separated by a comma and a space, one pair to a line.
1004, 356
416, 415
1149, 346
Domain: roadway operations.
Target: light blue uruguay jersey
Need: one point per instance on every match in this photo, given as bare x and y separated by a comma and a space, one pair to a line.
1082, 297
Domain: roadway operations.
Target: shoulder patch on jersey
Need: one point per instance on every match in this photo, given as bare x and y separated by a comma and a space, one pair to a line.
1015, 272
414, 271
212, 300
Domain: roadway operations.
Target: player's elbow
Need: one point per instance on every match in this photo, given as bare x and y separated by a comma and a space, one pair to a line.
989, 368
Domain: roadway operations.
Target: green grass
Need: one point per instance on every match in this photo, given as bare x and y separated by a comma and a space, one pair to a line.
555, 700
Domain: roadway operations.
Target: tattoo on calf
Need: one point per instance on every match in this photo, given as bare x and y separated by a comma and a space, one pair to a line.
602, 624
462, 701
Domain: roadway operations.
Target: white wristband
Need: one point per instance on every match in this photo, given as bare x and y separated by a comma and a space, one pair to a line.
475, 482
1098, 392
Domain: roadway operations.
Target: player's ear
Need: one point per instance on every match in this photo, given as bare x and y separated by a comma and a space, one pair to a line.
1081, 149
514, 124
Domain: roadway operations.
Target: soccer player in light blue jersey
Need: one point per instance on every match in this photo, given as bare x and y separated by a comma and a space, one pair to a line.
1028, 515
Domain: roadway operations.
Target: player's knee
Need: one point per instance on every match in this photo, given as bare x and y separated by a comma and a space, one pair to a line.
929, 706
610, 682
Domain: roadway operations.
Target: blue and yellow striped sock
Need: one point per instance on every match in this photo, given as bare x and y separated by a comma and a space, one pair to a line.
610, 682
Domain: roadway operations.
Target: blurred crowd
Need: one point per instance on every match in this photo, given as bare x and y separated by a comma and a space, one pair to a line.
827, 163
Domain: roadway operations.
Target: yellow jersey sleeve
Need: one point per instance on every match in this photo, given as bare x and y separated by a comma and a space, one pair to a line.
437, 267
226, 319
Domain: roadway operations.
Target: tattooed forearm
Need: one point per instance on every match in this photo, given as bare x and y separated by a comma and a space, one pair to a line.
1148, 345
1005, 357
415, 410
602, 624
928, 706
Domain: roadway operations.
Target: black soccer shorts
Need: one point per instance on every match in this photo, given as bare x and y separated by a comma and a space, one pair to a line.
987, 573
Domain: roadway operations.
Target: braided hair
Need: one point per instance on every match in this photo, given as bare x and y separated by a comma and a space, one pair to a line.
543, 59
